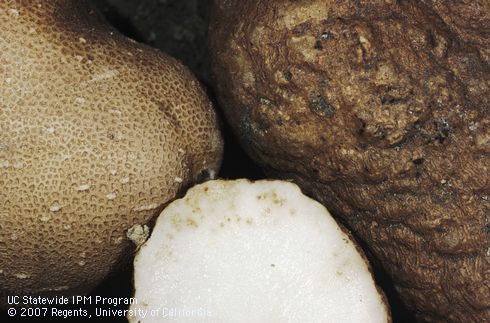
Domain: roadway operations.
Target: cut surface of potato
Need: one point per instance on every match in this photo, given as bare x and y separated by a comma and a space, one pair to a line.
241, 251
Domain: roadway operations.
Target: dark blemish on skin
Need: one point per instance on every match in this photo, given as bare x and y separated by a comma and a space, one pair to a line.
417, 125
443, 128
327, 35
381, 134
440, 230
261, 124
362, 127
371, 64
245, 128
440, 197
318, 45
363, 145
320, 104
431, 39
248, 127
487, 228
390, 100
323, 83
301, 28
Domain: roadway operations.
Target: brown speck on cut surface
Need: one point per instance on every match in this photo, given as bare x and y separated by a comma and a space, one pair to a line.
191, 223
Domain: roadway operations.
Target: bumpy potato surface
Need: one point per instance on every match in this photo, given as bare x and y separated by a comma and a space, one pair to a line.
97, 133
379, 109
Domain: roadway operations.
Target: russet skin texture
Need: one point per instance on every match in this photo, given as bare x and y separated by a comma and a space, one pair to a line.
98, 133
379, 109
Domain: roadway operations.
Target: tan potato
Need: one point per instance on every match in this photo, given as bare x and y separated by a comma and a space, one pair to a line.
241, 251
379, 109
98, 132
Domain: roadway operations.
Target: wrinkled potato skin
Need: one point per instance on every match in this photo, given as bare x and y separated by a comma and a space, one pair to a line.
379, 109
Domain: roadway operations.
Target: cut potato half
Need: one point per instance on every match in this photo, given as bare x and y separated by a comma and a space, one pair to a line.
241, 251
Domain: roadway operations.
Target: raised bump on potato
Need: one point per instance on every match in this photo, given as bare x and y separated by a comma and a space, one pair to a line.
241, 251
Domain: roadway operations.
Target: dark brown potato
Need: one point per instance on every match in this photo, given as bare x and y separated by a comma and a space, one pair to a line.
379, 109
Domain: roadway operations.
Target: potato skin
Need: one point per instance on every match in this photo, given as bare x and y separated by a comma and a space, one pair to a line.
98, 133
379, 109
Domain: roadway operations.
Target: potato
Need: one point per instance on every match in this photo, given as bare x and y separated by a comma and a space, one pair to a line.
380, 110
241, 251
98, 133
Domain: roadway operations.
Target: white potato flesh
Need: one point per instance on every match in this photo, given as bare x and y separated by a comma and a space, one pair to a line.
241, 251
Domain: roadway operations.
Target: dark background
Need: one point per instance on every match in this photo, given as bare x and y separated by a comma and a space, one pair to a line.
179, 27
